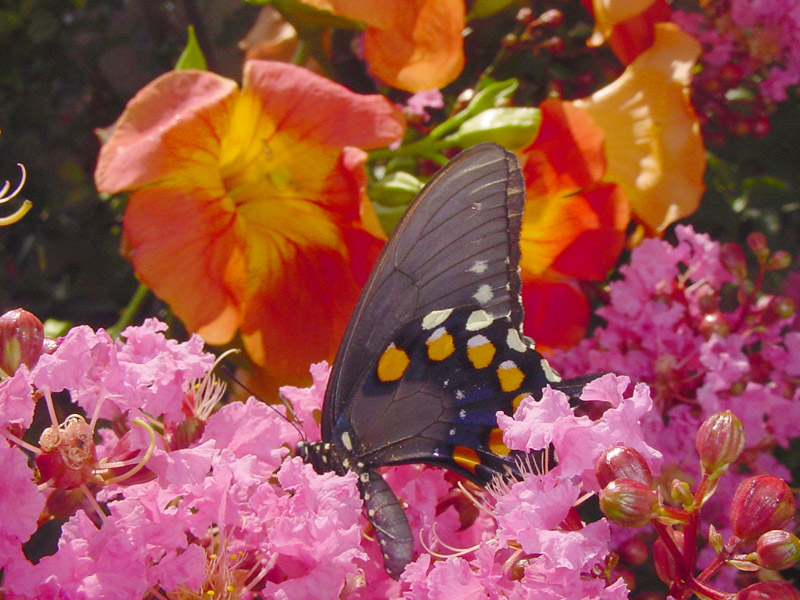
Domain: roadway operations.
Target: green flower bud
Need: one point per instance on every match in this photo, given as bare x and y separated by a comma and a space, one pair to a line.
629, 503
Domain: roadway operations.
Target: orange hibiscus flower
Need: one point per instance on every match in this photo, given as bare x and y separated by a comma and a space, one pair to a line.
247, 208
574, 224
654, 147
413, 45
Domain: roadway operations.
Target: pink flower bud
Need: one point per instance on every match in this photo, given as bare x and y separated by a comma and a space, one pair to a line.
720, 440
21, 336
621, 462
761, 503
778, 549
629, 503
769, 590
663, 559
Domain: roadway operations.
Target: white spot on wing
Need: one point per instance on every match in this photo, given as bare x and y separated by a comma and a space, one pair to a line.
435, 318
477, 340
346, 441
514, 341
484, 294
549, 373
478, 320
460, 394
437, 334
478, 267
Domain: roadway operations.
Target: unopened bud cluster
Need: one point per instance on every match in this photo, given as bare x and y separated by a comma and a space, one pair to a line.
762, 506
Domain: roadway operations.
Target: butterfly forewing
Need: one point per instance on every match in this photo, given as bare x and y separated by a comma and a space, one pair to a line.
456, 246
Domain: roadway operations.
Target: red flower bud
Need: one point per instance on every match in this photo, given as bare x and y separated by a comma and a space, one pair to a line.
777, 549
634, 552
21, 336
733, 259
779, 260
772, 308
757, 242
714, 323
663, 559
769, 590
629, 503
720, 440
761, 503
621, 462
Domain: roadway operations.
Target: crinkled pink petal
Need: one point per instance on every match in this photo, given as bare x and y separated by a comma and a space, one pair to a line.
531, 427
254, 428
20, 501
16, 399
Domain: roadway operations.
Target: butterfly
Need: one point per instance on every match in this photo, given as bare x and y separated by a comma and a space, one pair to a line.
434, 347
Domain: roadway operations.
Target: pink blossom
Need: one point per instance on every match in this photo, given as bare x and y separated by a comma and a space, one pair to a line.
20, 501
16, 399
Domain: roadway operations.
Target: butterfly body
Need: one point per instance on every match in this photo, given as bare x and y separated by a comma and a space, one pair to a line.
435, 347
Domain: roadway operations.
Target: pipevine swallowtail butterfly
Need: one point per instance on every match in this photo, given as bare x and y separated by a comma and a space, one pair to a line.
434, 347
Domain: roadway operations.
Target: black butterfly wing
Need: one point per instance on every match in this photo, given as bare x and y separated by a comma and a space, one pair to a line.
458, 241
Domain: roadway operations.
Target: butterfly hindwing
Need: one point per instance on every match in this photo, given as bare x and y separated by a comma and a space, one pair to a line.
433, 394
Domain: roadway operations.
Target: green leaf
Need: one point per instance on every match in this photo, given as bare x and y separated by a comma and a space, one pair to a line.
192, 56
489, 97
307, 18
396, 189
512, 128
388, 216
486, 8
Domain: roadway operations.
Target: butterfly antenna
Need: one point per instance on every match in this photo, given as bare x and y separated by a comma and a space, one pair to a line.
292, 416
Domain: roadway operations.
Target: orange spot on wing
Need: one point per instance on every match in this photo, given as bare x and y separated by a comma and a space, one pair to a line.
510, 376
440, 345
392, 364
466, 457
480, 354
496, 444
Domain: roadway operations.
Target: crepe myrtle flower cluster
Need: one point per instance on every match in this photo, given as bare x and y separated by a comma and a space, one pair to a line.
187, 496
762, 506
689, 320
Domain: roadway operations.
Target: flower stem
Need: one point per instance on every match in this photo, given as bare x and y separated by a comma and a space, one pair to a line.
129, 311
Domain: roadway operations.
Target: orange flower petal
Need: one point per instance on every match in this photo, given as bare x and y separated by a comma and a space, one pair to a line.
183, 246
314, 107
578, 236
635, 35
423, 47
567, 209
160, 128
567, 154
655, 153
413, 45
609, 13
556, 313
